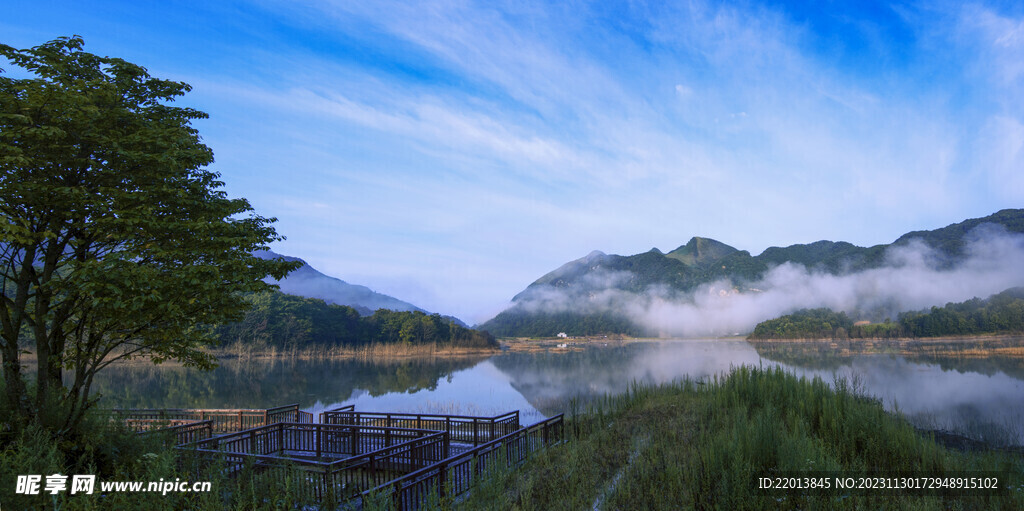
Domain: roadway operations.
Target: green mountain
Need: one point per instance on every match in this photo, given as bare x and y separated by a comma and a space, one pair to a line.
701, 252
699, 261
586, 296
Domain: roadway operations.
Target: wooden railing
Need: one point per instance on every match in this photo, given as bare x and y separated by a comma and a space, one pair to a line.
346, 408
404, 457
148, 425
455, 475
224, 420
311, 439
182, 431
288, 413
461, 428
282, 451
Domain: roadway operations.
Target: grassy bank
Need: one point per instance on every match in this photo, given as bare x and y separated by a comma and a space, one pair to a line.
703, 446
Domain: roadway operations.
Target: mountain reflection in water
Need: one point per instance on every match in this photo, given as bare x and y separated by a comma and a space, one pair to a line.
976, 389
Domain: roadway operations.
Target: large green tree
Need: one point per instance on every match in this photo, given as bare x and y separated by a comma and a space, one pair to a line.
115, 240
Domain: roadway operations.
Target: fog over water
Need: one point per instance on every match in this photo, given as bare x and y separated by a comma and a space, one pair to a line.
912, 278
976, 396
972, 397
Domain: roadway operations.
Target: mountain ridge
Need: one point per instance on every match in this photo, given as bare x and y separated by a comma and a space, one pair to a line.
309, 282
704, 261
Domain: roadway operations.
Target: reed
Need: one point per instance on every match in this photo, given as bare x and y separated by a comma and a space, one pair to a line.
700, 445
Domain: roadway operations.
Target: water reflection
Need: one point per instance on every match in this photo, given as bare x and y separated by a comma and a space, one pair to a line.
948, 387
264, 383
481, 390
935, 388
549, 379
974, 388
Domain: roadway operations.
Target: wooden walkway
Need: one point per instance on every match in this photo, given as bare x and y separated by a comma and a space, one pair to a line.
347, 456
222, 420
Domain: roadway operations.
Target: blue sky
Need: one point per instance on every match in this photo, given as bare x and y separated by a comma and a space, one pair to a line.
449, 153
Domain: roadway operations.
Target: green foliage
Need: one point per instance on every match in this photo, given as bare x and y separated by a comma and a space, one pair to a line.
517, 322
804, 324
1002, 313
690, 445
115, 241
114, 454
290, 322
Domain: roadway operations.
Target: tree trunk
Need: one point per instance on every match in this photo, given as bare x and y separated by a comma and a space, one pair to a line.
14, 387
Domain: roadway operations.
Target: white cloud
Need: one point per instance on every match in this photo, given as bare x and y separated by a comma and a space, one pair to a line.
911, 279
548, 127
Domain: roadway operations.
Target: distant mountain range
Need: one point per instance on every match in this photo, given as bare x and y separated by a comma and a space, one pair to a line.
558, 301
310, 283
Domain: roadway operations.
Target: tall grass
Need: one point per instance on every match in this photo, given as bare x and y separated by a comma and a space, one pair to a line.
132, 457
691, 445
111, 452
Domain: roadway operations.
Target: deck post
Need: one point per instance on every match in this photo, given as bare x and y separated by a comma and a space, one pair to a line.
442, 480
280, 437
320, 490
240, 428
317, 438
373, 473
476, 434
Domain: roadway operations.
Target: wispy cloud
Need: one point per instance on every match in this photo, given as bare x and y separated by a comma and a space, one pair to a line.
565, 127
727, 107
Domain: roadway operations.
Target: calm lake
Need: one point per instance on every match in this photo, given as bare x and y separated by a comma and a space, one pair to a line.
976, 389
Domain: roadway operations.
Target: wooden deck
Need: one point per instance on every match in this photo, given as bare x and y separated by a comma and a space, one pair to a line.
222, 420
411, 459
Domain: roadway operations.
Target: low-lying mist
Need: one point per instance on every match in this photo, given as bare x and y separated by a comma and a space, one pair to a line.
913, 277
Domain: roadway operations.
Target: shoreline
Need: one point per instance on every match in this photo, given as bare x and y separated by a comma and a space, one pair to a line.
382, 352
946, 339
620, 339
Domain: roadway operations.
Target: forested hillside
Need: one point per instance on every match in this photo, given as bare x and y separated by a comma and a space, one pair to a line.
1002, 313
549, 324
575, 297
289, 322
